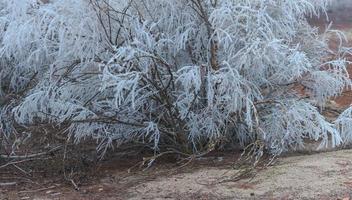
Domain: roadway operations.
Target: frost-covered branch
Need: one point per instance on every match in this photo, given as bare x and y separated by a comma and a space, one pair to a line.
188, 74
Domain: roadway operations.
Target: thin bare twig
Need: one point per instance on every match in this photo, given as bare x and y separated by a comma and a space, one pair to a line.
17, 162
31, 155
8, 184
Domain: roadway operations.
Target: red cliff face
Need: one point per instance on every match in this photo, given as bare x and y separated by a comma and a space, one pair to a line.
340, 15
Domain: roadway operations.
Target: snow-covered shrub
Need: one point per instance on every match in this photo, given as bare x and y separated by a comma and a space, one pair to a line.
186, 74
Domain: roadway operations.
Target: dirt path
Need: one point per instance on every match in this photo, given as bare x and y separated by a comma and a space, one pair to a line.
318, 176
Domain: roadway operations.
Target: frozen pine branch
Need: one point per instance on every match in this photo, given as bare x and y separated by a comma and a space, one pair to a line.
191, 75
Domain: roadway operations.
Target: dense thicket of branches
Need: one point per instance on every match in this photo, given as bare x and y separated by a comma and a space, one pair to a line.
189, 75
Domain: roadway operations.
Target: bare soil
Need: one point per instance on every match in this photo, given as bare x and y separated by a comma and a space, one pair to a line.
325, 175
319, 176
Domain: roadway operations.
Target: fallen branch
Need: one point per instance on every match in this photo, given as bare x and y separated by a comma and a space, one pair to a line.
17, 162
31, 155
8, 184
38, 190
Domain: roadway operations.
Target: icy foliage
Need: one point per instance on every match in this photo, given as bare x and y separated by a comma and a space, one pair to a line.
189, 74
344, 124
295, 121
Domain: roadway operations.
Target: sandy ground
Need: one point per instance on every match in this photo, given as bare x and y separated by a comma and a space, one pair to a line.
319, 176
316, 176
